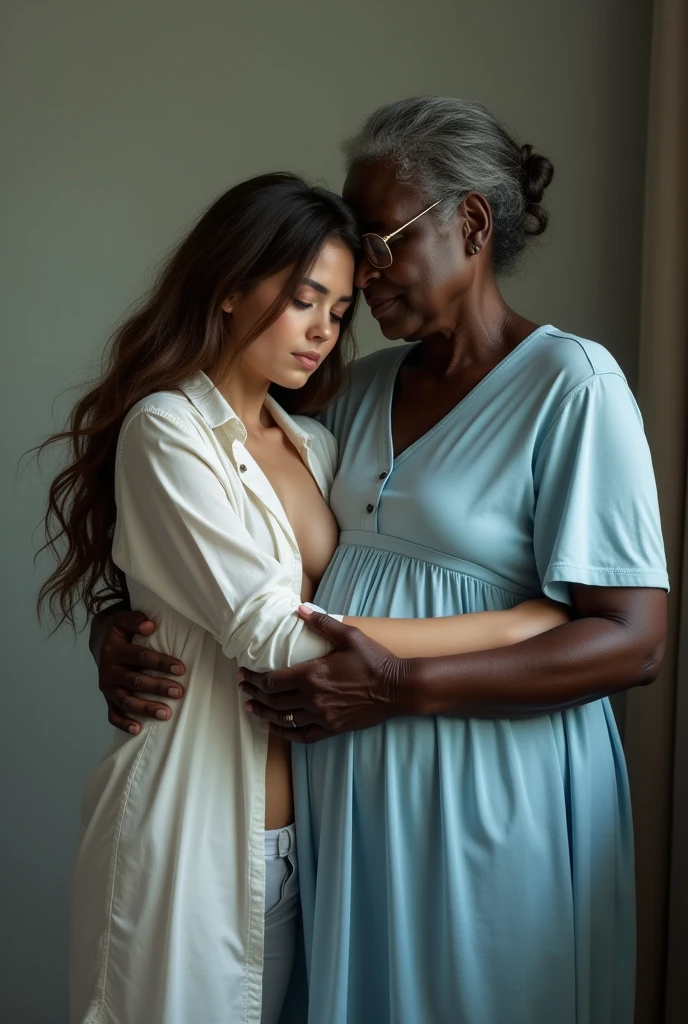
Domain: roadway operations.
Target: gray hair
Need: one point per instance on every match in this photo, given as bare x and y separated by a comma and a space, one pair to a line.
449, 148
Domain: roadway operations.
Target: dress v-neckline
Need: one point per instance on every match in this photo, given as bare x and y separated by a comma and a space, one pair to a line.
405, 352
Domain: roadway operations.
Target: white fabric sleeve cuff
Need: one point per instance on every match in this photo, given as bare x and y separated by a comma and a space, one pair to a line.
317, 608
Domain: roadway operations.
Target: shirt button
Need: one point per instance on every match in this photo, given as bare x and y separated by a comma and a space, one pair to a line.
242, 468
383, 476
370, 508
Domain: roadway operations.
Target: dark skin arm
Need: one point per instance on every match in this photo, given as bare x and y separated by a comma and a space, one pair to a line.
615, 641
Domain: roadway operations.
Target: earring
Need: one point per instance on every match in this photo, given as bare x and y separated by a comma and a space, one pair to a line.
475, 249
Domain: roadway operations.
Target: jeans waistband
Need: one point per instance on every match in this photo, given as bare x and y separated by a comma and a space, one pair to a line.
280, 842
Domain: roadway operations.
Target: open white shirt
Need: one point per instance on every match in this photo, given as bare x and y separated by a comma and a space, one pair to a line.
169, 889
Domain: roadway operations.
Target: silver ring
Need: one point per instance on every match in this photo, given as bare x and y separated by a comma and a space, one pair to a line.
289, 720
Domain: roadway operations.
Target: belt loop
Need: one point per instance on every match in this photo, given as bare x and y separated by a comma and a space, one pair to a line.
284, 842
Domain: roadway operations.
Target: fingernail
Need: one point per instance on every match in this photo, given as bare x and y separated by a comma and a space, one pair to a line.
134, 729
174, 692
305, 610
240, 674
176, 670
248, 705
242, 687
162, 714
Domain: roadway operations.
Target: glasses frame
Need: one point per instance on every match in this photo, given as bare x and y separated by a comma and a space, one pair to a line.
385, 238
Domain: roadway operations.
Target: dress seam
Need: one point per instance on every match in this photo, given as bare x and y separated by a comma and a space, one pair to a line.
591, 568
582, 348
507, 587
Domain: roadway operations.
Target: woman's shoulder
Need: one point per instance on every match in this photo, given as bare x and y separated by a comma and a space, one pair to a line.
368, 379
161, 416
173, 404
556, 367
366, 368
576, 359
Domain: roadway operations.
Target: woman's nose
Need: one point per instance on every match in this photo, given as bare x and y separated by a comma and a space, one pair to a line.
322, 330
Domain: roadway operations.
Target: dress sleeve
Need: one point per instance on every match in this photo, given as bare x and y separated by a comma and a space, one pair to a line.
596, 512
179, 534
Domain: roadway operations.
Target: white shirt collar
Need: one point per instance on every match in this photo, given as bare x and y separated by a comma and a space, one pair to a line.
216, 410
213, 407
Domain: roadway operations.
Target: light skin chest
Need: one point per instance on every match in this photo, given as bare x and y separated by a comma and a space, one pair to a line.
314, 526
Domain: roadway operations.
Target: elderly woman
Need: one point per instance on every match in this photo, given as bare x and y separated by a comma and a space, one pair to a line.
464, 822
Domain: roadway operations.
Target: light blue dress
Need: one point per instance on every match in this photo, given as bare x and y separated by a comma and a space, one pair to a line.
479, 871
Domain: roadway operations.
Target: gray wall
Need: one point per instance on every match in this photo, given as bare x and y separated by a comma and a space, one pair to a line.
124, 120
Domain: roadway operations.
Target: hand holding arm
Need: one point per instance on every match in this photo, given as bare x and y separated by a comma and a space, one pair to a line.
122, 668
615, 642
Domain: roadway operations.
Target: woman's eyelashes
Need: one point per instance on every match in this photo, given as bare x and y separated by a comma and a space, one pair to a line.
300, 304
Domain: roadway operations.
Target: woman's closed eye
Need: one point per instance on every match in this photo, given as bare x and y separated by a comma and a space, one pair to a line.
300, 304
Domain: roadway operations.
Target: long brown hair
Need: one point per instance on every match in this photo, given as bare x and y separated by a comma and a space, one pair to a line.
256, 229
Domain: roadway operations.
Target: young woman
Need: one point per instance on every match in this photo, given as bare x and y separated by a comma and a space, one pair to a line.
191, 489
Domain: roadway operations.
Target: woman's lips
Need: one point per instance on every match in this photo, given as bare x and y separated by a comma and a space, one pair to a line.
307, 361
381, 308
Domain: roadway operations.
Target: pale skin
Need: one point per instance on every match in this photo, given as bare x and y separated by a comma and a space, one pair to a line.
287, 353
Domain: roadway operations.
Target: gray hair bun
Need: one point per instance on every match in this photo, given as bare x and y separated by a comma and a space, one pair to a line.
537, 172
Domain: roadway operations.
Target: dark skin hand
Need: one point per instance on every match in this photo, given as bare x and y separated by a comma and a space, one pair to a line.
123, 669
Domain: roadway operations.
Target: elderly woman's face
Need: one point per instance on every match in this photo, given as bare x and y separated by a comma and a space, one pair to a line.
420, 293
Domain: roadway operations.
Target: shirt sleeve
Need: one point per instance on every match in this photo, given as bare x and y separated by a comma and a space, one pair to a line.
596, 511
179, 534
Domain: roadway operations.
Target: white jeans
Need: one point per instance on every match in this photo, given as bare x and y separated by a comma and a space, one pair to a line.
282, 918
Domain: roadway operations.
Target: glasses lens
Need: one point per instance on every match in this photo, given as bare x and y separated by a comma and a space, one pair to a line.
377, 251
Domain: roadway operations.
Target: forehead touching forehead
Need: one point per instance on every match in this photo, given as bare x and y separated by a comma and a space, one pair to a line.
378, 198
334, 266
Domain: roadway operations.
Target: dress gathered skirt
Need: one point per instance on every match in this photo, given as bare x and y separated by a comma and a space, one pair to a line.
479, 871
